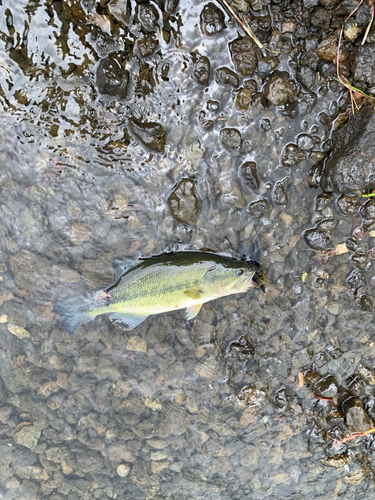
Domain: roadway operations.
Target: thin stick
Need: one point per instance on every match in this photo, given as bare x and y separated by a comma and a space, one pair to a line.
372, 5
231, 111
247, 28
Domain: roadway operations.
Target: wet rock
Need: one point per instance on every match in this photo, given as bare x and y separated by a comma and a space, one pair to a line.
249, 175
212, 19
307, 77
279, 91
316, 238
241, 5
225, 76
282, 398
321, 18
251, 397
201, 70
348, 203
81, 232
30, 271
322, 201
356, 280
356, 418
230, 138
365, 303
307, 102
280, 193
240, 351
136, 343
350, 166
111, 77
311, 377
305, 142
364, 64
291, 155
245, 55
183, 202
266, 66
147, 45
326, 387
18, 331
367, 374
260, 208
359, 259
151, 134
368, 214
148, 16
355, 386
351, 30
244, 98
327, 49
171, 5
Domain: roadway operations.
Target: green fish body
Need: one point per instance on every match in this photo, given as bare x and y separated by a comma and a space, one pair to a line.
161, 284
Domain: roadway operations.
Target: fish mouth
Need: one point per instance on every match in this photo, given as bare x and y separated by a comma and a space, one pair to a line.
258, 280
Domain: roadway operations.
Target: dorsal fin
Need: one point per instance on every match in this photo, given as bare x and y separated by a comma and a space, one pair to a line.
123, 265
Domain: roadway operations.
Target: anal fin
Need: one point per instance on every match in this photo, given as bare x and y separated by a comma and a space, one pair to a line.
127, 320
192, 311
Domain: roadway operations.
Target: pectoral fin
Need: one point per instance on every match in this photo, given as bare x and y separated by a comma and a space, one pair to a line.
193, 294
128, 321
192, 311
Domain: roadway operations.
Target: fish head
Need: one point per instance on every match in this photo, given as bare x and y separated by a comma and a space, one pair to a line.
241, 276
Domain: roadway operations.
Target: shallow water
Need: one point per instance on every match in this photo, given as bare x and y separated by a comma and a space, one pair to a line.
79, 191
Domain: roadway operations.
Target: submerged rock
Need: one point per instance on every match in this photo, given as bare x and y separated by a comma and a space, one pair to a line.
356, 280
249, 174
225, 76
326, 387
147, 45
30, 271
368, 214
351, 165
212, 20
148, 16
260, 208
348, 203
230, 138
316, 238
291, 155
150, 133
356, 418
112, 77
183, 202
202, 68
280, 193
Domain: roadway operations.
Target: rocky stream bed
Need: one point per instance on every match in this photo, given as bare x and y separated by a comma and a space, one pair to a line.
129, 128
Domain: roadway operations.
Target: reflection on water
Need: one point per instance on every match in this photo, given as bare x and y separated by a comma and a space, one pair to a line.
174, 409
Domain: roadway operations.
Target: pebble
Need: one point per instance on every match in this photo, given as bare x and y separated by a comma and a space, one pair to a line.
136, 343
18, 331
81, 232
123, 470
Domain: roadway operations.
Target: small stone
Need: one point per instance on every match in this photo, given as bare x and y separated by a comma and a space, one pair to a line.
183, 202
158, 455
241, 5
5, 296
351, 29
279, 91
157, 467
81, 232
327, 49
230, 138
365, 303
225, 76
249, 175
31, 272
260, 208
47, 389
280, 193
27, 436
136, 343
123, 470
348, 203
305, 142
316, 238
202, 68
356, 280
207, 368
245, 55
356, 418
151, 134
326, 387
148, 16
212, 20
322, 201
18, 331
291, 155
65, 467
111, 77
159, 444
367, 374
244, 98
147, 45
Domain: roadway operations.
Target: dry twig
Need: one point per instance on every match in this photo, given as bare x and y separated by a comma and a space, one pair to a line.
244, 26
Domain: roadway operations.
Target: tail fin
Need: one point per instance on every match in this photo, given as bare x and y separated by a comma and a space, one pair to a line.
76, 311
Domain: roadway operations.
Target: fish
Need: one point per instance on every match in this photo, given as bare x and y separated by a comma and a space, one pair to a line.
161, 284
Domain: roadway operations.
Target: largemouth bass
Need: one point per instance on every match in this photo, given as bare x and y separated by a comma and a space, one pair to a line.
161, 284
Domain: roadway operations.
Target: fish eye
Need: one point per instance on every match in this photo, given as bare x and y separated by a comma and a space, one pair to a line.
240, 272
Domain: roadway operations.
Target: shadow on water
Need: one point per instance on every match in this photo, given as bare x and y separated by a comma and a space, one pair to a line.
131, 129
